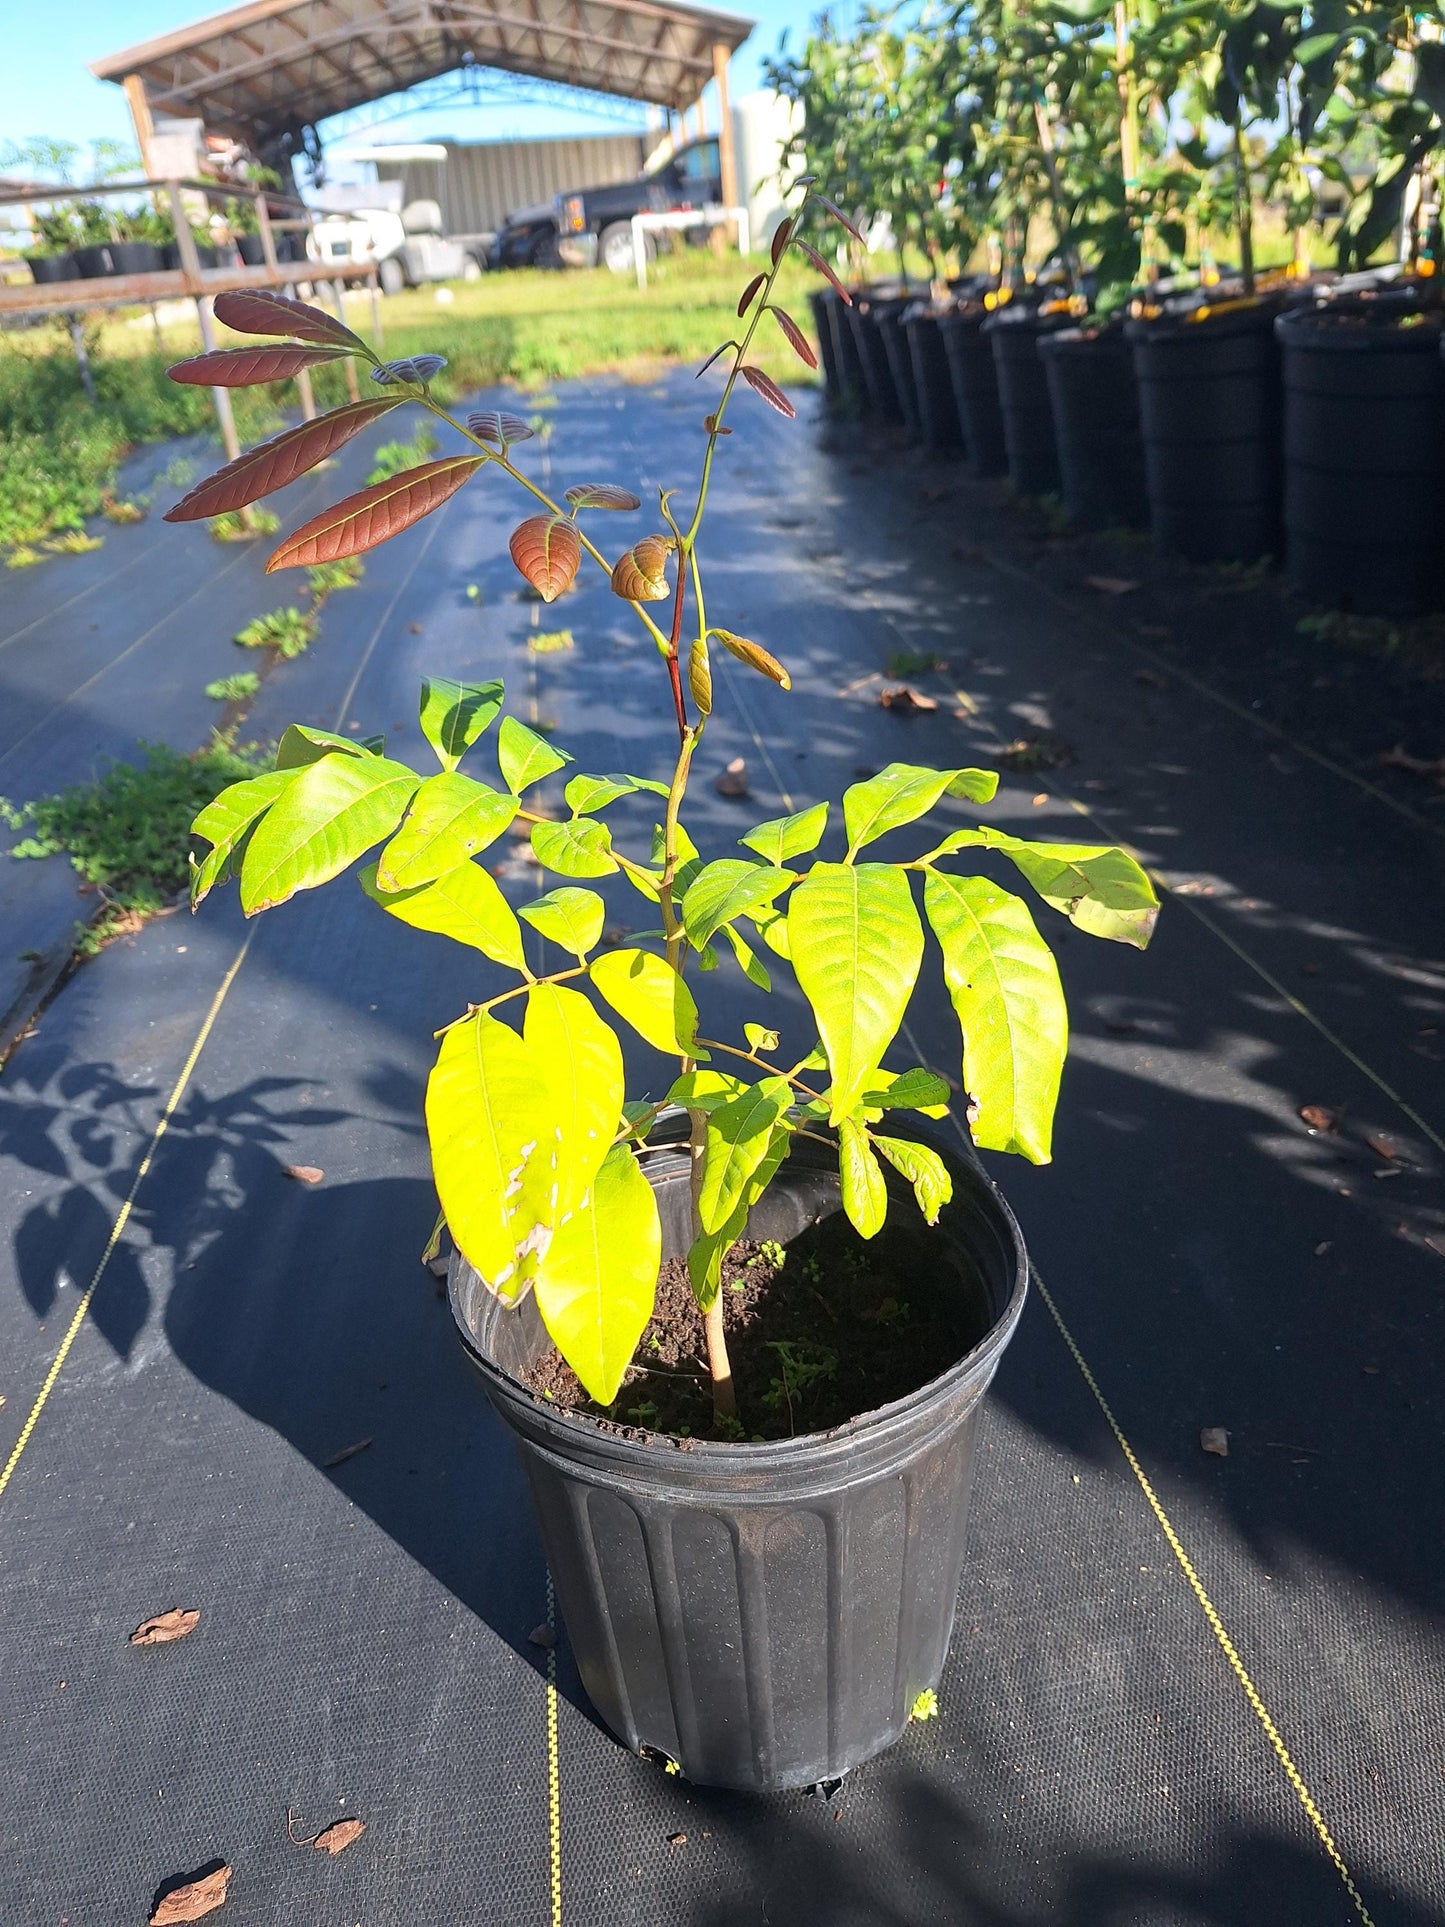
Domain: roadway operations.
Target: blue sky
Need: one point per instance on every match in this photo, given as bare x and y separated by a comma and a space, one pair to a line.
45, 88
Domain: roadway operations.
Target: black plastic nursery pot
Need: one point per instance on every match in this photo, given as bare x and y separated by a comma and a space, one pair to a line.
765, 1615
852, 389
45, 268
900, 362
937, 411
1013, 335
864, 316
1210, 402
975, 388
819, 300
1095, 401
251, 250
93, 261
1364, 451
134, 257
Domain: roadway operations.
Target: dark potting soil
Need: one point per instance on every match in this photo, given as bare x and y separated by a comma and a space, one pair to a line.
818, 1332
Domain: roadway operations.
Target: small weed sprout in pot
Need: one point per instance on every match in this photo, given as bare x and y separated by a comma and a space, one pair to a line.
562, 1194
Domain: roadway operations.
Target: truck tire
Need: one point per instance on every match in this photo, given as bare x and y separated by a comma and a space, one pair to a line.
392, 275
614, 247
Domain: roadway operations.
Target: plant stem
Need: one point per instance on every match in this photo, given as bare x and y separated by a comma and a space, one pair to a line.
724, 1393
1243, 210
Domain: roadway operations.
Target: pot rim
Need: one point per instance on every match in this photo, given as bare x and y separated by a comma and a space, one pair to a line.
733, 1455
1319, 331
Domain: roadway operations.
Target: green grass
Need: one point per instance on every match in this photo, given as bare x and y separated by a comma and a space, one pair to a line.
59, 452
127, 833
234, 689
287, 631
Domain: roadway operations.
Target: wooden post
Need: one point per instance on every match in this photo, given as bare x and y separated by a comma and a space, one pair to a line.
339, 304
308, 400
727, 154
374, 286
221, 396
268, 239
77, 341
140, 114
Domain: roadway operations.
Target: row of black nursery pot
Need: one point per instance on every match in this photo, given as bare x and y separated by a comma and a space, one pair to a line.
114, 258
1308, 423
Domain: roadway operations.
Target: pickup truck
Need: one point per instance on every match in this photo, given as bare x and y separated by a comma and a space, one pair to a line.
585, 226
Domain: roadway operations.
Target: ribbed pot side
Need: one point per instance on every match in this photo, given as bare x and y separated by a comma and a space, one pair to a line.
763, 1614
975, 391
1364, 450
937, 410
1209, 407
1023, 392
863, 318
1096, 425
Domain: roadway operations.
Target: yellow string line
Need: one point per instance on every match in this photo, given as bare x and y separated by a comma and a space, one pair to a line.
554, 1780
1211, 1614
1300, 1008
117, 1230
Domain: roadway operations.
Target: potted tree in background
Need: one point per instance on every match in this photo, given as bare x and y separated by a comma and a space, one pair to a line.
761, 1591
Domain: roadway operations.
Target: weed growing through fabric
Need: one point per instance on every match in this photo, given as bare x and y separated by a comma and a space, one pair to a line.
234, 689
231, 528
126, 833
328, 577
925, 1707
904, 663
552, 642
23, 558
288, 631
120, 511
393, 457
74, 542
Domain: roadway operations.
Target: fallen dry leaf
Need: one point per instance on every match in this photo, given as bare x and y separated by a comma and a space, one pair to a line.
1111, 584
1036, 750
1400, 758
1320, 1117
1215, 1439
194, 1900
165, 1627
677, 1840
346, 1452
339, 1836
305, 1173
1151, 678
1382, 1146
734, 779
543, 1636
1323, 1246
905, 698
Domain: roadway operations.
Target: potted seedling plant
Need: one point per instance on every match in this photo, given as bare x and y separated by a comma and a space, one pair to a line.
761, 1589
52, 257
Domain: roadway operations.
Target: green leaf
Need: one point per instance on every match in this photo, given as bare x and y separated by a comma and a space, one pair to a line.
728, 888
1096, 886
902, 793
454, 714
525, 757
925, 1170
328, 816
706, 1254
450, 819
772, 927
759, 1038
465, 905
910, 1091
571, 918
706, 1090
649, 994
580, 847
302, 744
865, 1195
1005, 988
224, 822
581, 1060
596, 1286
748, 962
788, 836
491, 1141
586, 793
738, 1135
856, 946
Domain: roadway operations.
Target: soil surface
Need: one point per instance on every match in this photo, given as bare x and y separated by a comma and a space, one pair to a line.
819, 1331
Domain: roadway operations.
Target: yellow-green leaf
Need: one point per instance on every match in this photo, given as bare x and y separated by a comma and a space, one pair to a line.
581, 1060
302, 744
525, 757
649, 994
784, 837
454, 714
465, 905
706, 1254
1005, 988
487, 1115
327, 817
865, 1195
224, 822
571, 918
580, 847
902, 793
856, 945
596, 1285
450, 819
1098, 887
738, 1136
753, 654
730, 887
924, 1169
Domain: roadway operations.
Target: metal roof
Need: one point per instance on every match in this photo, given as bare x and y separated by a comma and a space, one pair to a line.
270, 67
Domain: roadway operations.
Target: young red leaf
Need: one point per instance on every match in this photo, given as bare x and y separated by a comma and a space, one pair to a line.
374, 515
782, 234
498, 428
602, 495
712, 358
640, 574
839, 216
245, 367
259, 312
753, 654
548, 551
748, 292
714, 426
797, 340
765, 386
271, 465
822, 266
